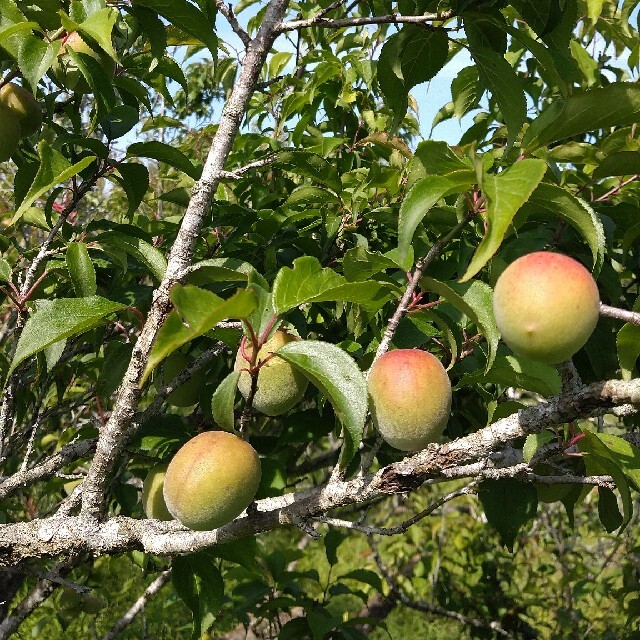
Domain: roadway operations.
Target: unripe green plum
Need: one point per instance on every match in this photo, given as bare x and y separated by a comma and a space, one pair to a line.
211, 480
67, 71
410, 398
24, 107
186, 394
280, 384
152, 494
9, 133
546, 306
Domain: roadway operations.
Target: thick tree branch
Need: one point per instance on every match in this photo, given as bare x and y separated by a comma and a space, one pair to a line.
118, 431
60, 536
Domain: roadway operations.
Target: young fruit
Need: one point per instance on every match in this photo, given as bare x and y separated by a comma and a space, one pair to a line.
546, 306
211, 480
23, 106
186, 394
68, 72
280, 385
410, 398
152, 494
9, 132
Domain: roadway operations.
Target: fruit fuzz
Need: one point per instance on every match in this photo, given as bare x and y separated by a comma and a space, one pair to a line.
280, 384
212, 479
546, 305
410, 398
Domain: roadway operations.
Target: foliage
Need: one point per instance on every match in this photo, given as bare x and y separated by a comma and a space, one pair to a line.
144, 219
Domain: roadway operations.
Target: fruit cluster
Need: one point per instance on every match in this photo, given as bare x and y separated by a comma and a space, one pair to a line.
546, 306
20, 116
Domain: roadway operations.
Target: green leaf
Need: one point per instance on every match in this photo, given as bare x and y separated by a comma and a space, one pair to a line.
310, 165
81, 270
141, 250
223, 401
623, 163
54, 169
515, 371
307, 194
608, 511
199, 584
408, 58
359, 264
339, 378
309, 282
597, 453
99, 26
464, 91
135, 182
366, 576
434, 157
505, 86
575, 211
196, 312
5, 271
508, 505
506, 192
415, 206
617, 104
628, 342
534, 441
475, 300
35, 58
58, 319
164, 153
625, 454
187, 17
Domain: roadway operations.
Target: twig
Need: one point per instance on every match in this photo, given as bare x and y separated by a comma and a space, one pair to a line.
421, 265
201, 361
138, 605
620, 314
326, 23
401, 528
46, 469
617, 188
227, 11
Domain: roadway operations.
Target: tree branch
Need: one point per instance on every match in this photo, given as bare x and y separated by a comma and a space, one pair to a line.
227, 11
620, 314
327, 23
118, 431
65, 535
421, 265
138, 605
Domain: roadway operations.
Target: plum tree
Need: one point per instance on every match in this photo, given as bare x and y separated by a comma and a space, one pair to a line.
212, 479
66, 70
9, 132
24, 107
546, 306
410, 398
152, 494
280, 385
